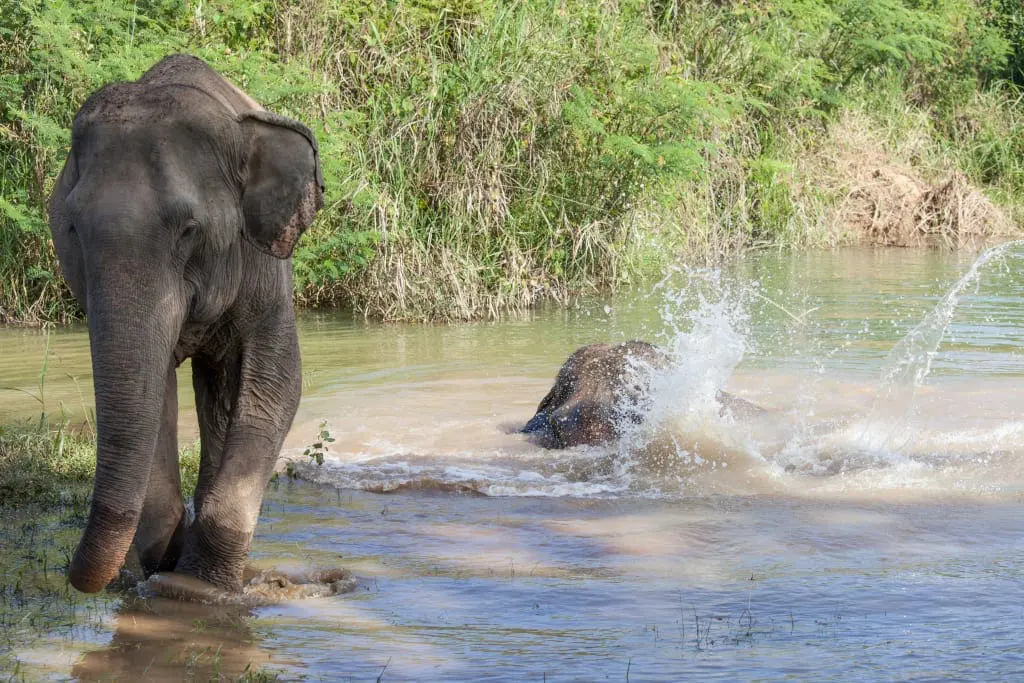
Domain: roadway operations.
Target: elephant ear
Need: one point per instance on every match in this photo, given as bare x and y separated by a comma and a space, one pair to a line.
284, 187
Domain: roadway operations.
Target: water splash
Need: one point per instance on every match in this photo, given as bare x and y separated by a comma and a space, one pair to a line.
885, 437
910, 362
847, 433
680, 427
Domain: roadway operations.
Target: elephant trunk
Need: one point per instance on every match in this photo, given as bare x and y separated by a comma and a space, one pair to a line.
133, 329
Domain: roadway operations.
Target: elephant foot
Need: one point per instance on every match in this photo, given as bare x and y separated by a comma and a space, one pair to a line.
266, 587
125, 581
177, 586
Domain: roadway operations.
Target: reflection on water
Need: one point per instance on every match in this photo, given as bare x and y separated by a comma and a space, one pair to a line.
725, 587
162, 639
853, 532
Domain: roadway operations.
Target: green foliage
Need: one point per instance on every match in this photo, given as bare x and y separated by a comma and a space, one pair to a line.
316, 450
480, 154
1007, 16
803, 55
771, 203
188, 465
53, 54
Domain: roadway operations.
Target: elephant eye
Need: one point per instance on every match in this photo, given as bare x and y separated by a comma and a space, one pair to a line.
71, 229
189, 228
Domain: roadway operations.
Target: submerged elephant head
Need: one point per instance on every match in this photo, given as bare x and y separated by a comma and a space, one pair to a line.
597, 388
603, 387
176, 190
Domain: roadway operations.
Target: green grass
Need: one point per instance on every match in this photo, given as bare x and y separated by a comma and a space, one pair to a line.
44, 465
52, 464
481, 155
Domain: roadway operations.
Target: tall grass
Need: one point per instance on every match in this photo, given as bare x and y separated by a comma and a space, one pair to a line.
483, 154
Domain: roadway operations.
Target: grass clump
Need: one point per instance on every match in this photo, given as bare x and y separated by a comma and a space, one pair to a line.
483, 154
44, 465
47, 464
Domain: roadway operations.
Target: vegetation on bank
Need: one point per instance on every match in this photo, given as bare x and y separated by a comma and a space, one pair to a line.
51, 464
483, 154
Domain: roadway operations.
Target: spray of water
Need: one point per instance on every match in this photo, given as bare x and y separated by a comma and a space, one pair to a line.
910, 362
707, 323
884, 436
675, 435
679, 426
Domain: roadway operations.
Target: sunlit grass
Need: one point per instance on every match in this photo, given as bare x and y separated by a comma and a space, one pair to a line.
482, 155
53, 464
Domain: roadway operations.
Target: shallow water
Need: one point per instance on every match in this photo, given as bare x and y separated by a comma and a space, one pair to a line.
867, 527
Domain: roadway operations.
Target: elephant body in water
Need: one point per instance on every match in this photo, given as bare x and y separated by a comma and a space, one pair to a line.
599, 388
174, 219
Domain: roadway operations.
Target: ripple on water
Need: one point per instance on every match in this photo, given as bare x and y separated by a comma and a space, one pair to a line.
852, 533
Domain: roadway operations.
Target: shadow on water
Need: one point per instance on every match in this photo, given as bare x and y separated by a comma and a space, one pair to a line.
466, 587
470, 587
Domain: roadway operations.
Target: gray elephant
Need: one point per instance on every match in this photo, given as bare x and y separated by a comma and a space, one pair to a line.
174, 219
602, 387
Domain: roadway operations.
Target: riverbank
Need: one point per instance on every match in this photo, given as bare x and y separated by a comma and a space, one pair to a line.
484, 156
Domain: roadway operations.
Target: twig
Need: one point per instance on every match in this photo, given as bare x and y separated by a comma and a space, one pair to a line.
380, 676
797, 318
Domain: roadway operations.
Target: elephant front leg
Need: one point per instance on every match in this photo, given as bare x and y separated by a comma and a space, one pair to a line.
230, 492
161, 531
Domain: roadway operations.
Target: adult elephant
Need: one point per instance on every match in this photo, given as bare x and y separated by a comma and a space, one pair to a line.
174, 220
602, 387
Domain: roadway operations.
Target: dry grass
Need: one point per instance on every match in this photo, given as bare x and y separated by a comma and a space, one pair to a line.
463, 161
447, 281
883, 197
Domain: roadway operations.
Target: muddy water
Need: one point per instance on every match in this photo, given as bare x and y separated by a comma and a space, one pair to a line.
867, 527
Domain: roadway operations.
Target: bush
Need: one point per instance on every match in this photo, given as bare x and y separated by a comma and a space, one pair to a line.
482, 154
1007, 16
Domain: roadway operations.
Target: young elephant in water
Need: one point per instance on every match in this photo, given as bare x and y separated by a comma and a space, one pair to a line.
598, 389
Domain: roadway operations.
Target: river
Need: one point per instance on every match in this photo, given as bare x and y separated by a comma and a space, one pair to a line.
867, 527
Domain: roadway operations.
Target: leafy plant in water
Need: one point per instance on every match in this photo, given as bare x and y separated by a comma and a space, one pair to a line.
316, 451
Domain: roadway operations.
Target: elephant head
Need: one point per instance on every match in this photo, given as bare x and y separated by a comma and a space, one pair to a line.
597, 387
180, 196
